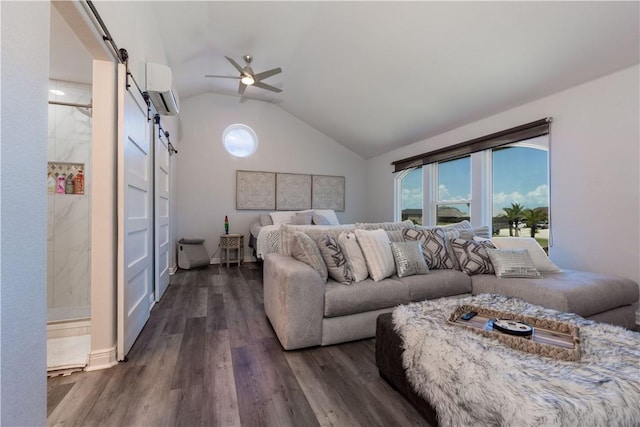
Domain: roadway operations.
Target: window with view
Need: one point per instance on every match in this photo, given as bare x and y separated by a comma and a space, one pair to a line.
454, 191
520, 199
411, 195
500, 179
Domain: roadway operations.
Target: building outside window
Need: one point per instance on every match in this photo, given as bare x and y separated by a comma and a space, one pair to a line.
453, 202
410, 195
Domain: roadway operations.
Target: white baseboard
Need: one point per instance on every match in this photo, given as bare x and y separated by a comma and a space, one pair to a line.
68, 328
101, 359
173, 270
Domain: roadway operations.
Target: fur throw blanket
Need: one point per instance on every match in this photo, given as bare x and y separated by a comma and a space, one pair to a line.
473, 380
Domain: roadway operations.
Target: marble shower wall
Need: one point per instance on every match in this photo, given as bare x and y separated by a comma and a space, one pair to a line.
69, 215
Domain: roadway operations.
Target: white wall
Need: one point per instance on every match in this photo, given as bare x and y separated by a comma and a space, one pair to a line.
23, 207
595, 196
207, 173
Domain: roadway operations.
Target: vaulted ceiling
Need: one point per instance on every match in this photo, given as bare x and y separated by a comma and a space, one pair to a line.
375, 76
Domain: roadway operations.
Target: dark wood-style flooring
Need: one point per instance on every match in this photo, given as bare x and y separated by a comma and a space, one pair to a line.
209, 357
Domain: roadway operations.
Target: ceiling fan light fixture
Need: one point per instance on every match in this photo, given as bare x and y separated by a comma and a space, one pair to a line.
247, 79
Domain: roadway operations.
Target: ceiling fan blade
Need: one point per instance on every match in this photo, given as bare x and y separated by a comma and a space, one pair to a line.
241, 88
267, 87
221, 77
263, 75
235, 64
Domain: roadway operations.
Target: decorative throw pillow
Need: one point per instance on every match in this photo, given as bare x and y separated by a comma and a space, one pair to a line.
281, 217
395, 235
377, 253
513, 263
304, 249
265, 220
354, 255
388, 226
537, 254
301, 219
329, 214
335, 260
472, 256
483, 231
434, 246
320, 220
409, 258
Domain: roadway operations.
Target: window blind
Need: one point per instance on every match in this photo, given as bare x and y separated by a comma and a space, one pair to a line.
507, 136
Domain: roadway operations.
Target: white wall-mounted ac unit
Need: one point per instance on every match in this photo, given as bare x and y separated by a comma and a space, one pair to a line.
159, 88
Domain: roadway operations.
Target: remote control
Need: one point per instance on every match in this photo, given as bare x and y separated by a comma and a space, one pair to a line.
468, 315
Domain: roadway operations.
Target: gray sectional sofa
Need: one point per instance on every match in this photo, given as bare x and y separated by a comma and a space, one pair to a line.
306, 311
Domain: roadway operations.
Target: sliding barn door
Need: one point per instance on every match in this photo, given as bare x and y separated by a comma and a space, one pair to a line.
161, 208
135, 215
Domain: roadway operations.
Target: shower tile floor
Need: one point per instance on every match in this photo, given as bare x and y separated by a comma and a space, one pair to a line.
68, 354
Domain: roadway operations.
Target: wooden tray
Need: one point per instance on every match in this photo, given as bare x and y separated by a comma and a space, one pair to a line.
560, 340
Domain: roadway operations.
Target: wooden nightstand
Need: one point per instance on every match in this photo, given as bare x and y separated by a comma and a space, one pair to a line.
232, 242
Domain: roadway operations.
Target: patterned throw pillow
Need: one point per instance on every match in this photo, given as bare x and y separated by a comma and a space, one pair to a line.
409, 258
513, 263
335, 260
304, 249
354, 255
434, 247
377, 252
472, 256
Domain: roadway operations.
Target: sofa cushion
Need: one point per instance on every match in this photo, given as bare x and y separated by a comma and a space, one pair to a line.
355, 257
314, 231
409, 259
537, 254
481, 232
513, 263
434, 246
335, 260
340, 300
472, 256
306, 250
577, 292
387, 226
377, 253
437, 284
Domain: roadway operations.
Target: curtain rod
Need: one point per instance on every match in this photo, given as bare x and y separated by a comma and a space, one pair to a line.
71, 104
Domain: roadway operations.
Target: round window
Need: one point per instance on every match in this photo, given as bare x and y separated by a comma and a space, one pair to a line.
240, 140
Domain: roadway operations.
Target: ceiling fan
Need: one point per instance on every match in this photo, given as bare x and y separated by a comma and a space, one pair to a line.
248, 77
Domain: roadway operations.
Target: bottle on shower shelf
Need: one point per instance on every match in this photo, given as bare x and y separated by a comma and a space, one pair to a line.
60, 189
79, 182
52, 183
68, 184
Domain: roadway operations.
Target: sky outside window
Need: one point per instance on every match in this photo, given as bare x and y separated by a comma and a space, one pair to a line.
520, 176
454, 179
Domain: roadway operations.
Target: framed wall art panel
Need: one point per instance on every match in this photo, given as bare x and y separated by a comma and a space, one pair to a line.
293, 192
255, 190
328, 192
